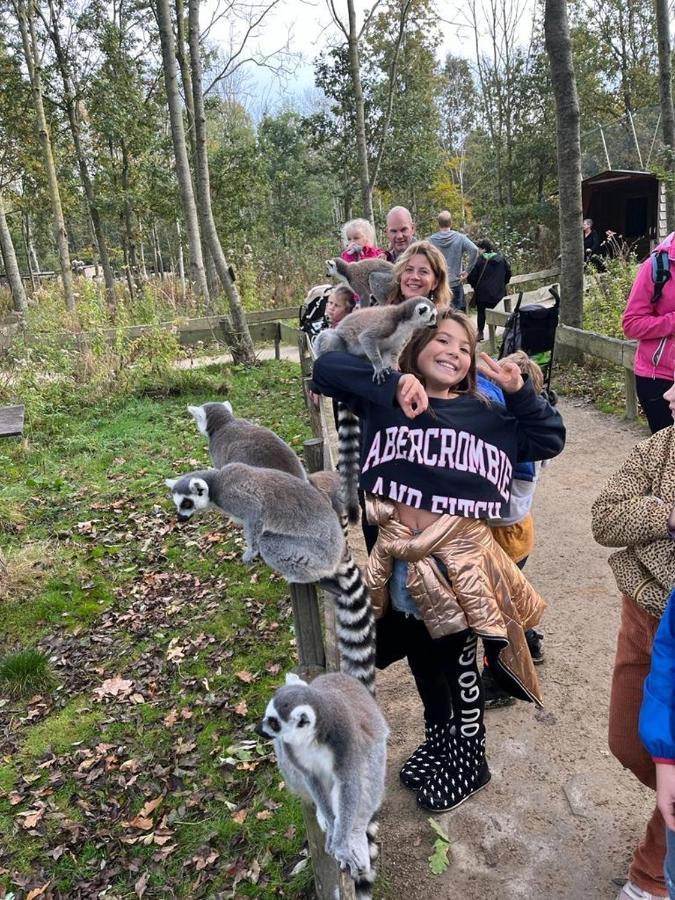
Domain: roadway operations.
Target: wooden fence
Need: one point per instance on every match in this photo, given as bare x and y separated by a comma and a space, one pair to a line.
609, 349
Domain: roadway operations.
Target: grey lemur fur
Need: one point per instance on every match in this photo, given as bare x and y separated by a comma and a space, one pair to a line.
287, 522
380, 334
237, 440
293, 527
357, 275
330, 740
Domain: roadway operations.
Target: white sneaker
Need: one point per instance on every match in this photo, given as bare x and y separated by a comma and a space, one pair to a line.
631, 891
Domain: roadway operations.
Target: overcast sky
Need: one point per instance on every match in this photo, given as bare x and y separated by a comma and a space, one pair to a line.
308, 25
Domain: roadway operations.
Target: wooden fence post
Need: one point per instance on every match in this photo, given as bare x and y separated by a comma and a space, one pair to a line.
631, 393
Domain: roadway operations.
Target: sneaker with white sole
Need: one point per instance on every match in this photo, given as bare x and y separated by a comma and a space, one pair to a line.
631, 891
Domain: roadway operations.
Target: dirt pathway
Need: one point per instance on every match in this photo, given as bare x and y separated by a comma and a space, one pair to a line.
560, 817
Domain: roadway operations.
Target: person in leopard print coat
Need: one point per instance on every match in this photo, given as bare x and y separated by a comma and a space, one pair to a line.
636, 512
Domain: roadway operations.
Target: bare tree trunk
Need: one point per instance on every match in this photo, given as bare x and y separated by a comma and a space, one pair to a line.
405, 9
558, 48
73, 121
198, 273
243, 351
25, 18
186, 76
31, 257
360, 111
181, 261
11, 265
666, 97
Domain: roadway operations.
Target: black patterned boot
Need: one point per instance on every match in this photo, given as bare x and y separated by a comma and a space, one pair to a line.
418, 768
460, 774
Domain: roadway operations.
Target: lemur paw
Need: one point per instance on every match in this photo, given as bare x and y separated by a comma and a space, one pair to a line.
354, 857
249, 556
380, 375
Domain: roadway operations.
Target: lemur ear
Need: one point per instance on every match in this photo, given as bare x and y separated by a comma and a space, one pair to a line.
292, 678
228, 407
199, 414
170, 482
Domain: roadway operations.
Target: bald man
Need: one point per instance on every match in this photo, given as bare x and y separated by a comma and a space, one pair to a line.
400, 231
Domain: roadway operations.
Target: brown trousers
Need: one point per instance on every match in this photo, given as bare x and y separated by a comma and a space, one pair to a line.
633, 657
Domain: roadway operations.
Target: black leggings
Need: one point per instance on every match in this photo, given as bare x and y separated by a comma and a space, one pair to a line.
446, 675
650, 393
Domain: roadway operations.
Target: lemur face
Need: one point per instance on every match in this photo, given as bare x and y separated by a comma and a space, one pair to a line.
424, 314
331, 268
291, 723
189, 494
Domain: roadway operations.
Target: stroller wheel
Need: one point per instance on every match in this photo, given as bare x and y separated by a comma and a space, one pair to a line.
552, 397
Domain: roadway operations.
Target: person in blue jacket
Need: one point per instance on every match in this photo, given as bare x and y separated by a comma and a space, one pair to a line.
657, 728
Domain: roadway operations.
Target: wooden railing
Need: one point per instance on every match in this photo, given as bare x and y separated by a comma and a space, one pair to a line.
609, 349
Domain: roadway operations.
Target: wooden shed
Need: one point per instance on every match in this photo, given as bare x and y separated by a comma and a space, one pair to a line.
632, 203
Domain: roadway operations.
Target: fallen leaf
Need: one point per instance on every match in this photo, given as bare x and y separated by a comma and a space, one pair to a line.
14, 798
264, 815
114, 687
139, 822
141, 884
31, 818
245, 676
171, 718
38, 892
201, 862
150, 806
240, 816
241, 709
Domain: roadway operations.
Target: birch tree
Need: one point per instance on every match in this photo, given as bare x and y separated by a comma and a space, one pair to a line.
25, 15
353, 36
9, 259
243, 349
63, 62
666, 98
558, 48
197, 271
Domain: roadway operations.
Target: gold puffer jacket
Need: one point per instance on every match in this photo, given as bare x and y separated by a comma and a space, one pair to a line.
486, 591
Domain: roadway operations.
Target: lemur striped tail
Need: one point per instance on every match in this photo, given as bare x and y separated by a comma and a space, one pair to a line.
355, 622
356, 642
363, 884
349, 434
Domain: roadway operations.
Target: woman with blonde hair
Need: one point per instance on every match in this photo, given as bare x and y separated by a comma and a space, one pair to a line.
420, 272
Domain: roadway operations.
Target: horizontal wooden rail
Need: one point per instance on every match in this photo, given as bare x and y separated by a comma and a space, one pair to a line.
600, 346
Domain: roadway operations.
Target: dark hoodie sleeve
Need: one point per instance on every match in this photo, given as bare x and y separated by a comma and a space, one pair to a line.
541, 431
349, 379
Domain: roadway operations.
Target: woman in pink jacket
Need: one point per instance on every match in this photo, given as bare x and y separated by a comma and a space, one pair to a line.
649, 318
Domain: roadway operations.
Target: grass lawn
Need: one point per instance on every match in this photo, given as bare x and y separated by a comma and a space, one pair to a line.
134, 770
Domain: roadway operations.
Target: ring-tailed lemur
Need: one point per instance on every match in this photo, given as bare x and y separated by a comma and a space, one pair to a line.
357, 276
293, 527
238, 440
330, 740
380, 334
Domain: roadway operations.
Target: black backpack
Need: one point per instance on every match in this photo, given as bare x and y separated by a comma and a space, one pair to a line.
660, 272
312, 314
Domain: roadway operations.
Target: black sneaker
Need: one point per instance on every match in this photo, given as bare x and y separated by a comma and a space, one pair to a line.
534, 639
495, 695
